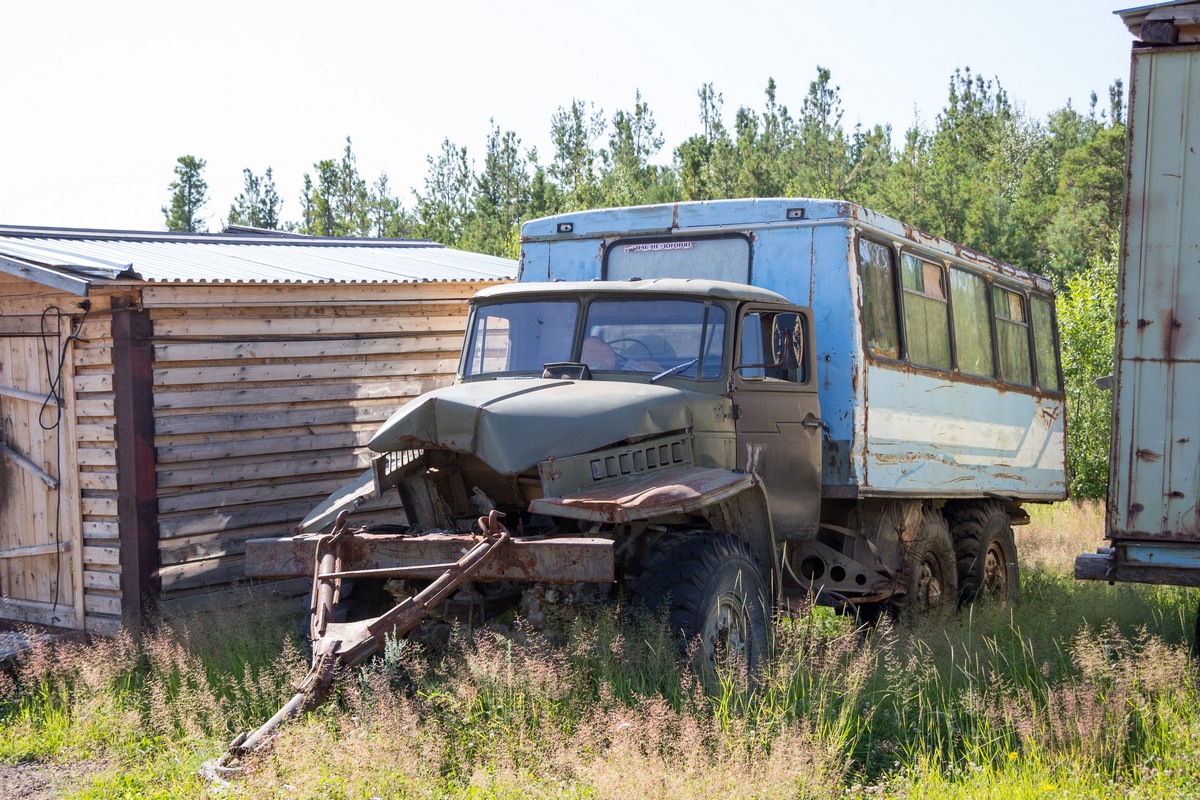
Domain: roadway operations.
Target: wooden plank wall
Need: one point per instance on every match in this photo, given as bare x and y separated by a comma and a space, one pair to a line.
89, 499
97, 458
264, 396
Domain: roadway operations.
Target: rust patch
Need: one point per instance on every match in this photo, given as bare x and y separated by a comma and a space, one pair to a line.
647, 498
1142, 323
675, 216
1148, 455
1171, 327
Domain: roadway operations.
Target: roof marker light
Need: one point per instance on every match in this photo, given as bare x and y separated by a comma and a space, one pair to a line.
566, 227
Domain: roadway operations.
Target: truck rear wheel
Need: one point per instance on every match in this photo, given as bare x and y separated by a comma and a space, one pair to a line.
931, 577
713, 590
986, 552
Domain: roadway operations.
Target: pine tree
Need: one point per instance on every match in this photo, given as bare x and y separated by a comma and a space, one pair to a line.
259, 203
189, 193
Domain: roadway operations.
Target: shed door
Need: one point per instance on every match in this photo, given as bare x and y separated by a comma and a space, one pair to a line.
39, 564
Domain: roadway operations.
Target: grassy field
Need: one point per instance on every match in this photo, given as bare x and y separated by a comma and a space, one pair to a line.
1082, 690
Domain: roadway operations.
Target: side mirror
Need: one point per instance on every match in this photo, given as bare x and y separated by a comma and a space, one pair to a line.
772, 346
787, 341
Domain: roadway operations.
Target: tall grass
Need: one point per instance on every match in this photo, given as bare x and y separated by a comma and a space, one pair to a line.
1082, 690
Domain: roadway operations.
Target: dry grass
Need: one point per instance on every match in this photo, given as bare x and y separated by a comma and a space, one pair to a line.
1083, 687
1059, 532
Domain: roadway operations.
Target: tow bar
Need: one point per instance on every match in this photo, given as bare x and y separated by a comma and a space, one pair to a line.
344, 644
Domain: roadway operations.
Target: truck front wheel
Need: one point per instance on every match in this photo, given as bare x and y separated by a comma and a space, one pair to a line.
713, 590
986, 552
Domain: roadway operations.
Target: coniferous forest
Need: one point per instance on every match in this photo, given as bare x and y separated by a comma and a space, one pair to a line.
1044, 194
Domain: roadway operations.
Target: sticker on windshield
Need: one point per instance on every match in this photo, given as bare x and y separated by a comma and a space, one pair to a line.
653, 246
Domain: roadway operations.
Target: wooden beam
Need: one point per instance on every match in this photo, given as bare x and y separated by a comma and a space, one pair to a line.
24, 463
137, 490
36, 612
35, 550
21, 394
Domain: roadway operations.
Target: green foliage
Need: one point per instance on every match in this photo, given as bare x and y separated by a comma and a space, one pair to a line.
189, 193
1087, 308
340, 202
442, 210
259, 203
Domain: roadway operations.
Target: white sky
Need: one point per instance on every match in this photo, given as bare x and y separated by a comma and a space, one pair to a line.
100, 98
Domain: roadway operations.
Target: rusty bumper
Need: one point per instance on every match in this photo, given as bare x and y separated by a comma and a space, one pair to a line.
678, 491
559, 560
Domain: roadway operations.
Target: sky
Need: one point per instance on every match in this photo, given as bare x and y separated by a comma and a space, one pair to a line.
100, 99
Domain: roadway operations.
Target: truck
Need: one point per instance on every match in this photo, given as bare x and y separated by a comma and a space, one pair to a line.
718, 408
1152, 518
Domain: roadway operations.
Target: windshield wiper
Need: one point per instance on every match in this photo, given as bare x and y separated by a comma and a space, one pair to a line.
676, 368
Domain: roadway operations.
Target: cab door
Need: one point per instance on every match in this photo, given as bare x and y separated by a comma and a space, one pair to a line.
777, 415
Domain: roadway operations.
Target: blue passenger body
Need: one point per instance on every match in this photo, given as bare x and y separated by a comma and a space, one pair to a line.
894, 429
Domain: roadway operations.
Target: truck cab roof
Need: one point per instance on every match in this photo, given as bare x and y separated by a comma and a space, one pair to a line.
723, 290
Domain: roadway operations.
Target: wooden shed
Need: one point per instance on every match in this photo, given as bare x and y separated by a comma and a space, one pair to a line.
164, 397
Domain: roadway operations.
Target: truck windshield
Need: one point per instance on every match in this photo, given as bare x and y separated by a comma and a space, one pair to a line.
647, 335
520, 337
654, 336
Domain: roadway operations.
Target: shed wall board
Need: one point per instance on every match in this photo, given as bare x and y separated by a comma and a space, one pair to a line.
264, 398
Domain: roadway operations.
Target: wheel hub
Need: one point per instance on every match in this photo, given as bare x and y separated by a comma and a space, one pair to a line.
995, 572
731, 624
929, 584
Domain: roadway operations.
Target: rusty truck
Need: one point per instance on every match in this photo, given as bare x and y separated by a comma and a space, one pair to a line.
714, 407
1153, 512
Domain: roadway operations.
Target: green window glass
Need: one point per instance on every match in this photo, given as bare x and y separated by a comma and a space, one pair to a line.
1012, 334
972, 324
1043, 343
880, 332
926, 319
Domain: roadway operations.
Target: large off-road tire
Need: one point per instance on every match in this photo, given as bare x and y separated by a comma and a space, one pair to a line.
930, 572
715, 596
986, 552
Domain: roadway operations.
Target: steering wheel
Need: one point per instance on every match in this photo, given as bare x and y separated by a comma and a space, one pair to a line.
624, 352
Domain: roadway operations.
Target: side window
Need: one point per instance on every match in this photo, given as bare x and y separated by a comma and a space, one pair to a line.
1012, 334
880, 332
1043, 343
772, 347
972, 324
489, 346
926, 319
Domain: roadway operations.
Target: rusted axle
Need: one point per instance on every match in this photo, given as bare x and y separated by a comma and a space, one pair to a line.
337, 645
554, 560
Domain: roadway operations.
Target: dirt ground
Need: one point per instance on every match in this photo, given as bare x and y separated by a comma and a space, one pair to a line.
41, 781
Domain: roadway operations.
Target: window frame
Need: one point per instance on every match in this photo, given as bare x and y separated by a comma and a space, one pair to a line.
1023, 293
897, 308
807, 378
906, 350
990, 281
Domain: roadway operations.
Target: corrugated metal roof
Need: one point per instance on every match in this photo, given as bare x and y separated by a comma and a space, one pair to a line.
244, 258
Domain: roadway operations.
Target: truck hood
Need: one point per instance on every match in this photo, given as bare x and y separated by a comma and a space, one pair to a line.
512, 425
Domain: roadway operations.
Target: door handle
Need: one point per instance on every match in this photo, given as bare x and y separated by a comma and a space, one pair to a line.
814, 422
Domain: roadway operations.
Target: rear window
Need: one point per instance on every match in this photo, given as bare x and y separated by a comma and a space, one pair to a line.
725, 258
